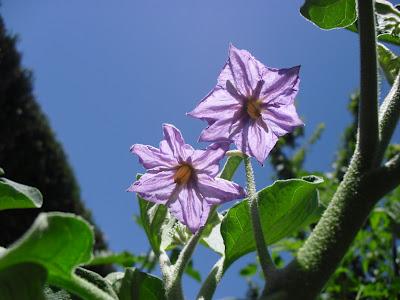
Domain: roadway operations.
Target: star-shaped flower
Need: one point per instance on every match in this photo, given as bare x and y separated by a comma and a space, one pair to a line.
184, 179
251, 105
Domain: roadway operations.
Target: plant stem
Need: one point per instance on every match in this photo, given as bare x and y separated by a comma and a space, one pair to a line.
173, 274
388, 117
267, 264
82, 288
368, 113
187, 251
209, 286
356, 195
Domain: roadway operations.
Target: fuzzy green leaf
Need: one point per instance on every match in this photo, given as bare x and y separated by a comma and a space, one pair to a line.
23, 282
153, 217
59, 242
285, 207
96, 280
389, 62
124, 259
387, 22
330, 14
137, 285
212, 233
16, 195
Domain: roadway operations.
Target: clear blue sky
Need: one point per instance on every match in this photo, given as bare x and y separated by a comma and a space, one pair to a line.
109, 73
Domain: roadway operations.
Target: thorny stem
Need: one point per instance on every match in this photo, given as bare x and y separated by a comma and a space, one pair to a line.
266, 262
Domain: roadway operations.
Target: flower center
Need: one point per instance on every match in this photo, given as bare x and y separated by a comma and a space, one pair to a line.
183, 174
253, 108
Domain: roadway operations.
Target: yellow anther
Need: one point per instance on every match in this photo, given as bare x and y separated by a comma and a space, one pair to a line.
183, 174
254, 109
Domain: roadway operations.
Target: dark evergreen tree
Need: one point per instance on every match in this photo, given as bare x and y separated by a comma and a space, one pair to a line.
29, 151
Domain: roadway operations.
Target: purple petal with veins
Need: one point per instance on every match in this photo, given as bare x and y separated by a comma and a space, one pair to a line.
177, 176
252, 105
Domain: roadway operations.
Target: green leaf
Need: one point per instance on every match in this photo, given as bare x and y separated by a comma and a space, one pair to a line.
389, 62
330, 14
59, 242
192, 272
388, 22
285, 207
96, 280
124, 259
230, 167
153, 217
52, 293
16, 195
137, 285
249, 270
1, 172
211, 236
22, 282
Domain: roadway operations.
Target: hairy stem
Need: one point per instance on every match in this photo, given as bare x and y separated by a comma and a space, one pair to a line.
209, 286
266, 262
83, 289
368, 112
173, 274
389, 114
357, 194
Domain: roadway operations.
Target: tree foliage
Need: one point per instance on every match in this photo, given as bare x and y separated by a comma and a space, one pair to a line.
29, 151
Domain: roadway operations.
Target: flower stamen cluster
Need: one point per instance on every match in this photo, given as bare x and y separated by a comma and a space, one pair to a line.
183, 174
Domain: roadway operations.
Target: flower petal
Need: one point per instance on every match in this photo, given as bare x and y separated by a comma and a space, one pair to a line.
241, 139
218, 104
176, 143
246, 70
207, 161
282, 119
190, 208
222, 130
164, 147
280, 85
218, 190
156, 187
151, 157
261, 141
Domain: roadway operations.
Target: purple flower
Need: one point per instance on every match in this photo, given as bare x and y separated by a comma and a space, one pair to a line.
252, 105
184, 179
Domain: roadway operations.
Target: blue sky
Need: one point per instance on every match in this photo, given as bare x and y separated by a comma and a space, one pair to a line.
109, 73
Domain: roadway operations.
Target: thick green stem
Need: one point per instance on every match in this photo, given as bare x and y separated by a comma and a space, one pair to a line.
357, 194
368, 111
209, 286
266, 262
